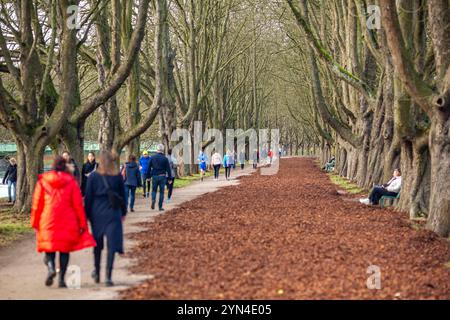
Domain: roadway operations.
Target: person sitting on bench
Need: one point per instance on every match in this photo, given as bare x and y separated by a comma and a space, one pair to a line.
392, 188
329, 166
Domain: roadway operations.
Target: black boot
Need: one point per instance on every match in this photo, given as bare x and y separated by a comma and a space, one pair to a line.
96, 276
153, 204
108, 281
63, 264
51, 271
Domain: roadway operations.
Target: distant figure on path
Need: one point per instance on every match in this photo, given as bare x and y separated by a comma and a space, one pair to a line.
228, 162
106, 210
242, 159
202, 159
71, 165
171, 181
392, 188
270, 155
216, 161
11, 178
159, 170
255, 158
89, 167
132, 180
58, 216
264, 156
143, 166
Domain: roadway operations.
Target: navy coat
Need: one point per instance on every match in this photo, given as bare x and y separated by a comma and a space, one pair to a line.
132, 174
105, 220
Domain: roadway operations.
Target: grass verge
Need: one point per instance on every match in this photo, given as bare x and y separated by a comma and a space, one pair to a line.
345, 184
12, 226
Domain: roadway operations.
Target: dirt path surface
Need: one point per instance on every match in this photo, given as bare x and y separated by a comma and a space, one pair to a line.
288, 236
22, 271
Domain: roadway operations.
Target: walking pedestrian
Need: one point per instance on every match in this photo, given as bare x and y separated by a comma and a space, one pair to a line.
228, 164
202, 159
132, 180
106, 211
143, 166
88, 167
11, 179
242, 159
71, 165
159, 171
255, 158
59, 219
264, 156
171, 181
270, 155
216, 161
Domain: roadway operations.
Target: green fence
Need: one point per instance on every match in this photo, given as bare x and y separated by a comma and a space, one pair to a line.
10, 148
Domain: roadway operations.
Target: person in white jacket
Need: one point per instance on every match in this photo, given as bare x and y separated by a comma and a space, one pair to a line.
392, 188
216, 161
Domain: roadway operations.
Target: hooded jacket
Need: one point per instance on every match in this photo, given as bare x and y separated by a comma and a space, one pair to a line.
132, 174
58, 214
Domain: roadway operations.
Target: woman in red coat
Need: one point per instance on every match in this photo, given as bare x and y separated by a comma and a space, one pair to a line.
59, 219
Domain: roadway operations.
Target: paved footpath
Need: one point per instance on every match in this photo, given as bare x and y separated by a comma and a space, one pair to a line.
22, 271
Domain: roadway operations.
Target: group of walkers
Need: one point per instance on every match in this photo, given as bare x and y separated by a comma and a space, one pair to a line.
228, 162
61, 208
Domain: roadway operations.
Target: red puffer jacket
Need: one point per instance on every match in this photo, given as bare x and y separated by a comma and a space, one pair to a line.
58, 214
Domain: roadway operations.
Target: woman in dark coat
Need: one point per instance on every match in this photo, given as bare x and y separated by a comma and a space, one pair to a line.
89, 167
105, 209
132, 179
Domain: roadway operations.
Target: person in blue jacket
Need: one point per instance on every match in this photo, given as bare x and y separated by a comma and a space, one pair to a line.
202, 162
160, 172
132, 180
228, 163
106, 211
143, 166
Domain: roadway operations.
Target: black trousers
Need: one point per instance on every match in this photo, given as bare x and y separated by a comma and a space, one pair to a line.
109, 261
63, 262
170, 187
145, 184
216, 171
227, 172
378, 192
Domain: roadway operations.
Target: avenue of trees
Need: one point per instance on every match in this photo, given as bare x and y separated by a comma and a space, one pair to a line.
334, 76
382, 94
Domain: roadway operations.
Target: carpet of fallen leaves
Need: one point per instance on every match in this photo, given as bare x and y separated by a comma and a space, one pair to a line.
288, 236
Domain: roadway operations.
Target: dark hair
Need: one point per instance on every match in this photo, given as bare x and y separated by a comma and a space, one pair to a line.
87, 157
132, 158
59, 164
169, 151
